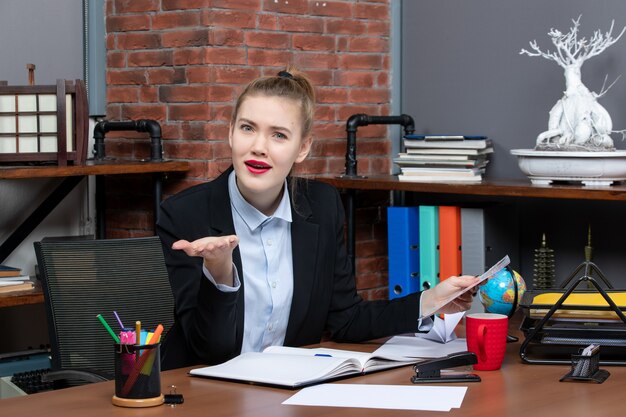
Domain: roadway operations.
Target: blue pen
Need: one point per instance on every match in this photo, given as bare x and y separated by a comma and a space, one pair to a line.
324, 354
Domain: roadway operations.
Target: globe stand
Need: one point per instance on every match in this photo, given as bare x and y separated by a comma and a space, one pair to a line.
509, 337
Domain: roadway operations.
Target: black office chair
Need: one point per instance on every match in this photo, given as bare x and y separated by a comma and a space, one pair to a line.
84, 278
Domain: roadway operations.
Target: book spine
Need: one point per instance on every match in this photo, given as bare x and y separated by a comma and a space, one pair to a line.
429, 246
403, 248
449, 241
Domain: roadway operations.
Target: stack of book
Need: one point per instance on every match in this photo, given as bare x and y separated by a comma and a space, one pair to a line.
11, 279
444, 158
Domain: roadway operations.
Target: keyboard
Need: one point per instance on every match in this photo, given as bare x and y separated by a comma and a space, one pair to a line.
30, 381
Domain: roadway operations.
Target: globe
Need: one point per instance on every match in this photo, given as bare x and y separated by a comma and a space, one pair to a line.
498, 294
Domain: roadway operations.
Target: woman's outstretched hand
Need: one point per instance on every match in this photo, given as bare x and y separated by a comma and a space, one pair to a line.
437, 295
217, 253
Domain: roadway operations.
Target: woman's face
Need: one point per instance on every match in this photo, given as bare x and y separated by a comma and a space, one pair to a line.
266, 140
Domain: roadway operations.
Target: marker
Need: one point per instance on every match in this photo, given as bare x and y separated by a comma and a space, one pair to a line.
324, 354
108, 328
118, 320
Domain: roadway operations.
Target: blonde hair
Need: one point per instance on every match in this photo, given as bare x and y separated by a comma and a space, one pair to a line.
289, 83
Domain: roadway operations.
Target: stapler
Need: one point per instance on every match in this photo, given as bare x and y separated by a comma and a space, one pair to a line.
430, 371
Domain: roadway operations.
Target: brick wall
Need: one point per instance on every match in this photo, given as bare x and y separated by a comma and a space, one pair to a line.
183, 63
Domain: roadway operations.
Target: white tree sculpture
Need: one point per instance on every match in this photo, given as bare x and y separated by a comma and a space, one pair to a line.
577, 121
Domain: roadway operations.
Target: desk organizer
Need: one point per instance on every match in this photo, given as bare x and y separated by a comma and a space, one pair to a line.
585, 368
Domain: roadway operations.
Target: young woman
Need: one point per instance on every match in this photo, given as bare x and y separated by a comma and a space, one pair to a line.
257, 258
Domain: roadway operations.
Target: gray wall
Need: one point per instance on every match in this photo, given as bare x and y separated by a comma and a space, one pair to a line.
48, 34
462, 71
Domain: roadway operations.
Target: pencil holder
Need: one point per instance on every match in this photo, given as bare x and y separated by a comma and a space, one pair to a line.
586, 368
137, 376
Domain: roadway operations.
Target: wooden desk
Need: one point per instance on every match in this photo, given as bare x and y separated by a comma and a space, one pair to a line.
72, 175
517, 390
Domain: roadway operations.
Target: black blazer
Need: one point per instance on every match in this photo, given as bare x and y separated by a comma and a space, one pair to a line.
210, 322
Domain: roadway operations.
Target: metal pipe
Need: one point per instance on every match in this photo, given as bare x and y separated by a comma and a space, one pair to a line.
144, 125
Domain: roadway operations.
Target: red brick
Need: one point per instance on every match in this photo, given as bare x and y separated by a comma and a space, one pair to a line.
301, 24
267, 40
330, 130
150, 58
148, 94
189, 112
217, 131
290, 7
312, 60
126, 77
371, 11
175, 20
345, 27
361, 61
313, 42
326, 113
228, 56
193, 130
237, 4
267, 22
189, 56
201, 74
331, 8
127, 23
355, 78
226, 37
184, 4
122, 94
166, 75
344, 112
229, 18
235, 75
221, 149
369, 44
369, 95
139, 40
320, 77
332, 95
170, 131
180, 38
130, 6
133, 112
191, 150
195, 93
116, 59
264, 57
221, 113
378, 28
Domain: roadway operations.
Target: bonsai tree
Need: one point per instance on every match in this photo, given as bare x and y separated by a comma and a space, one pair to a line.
577, 121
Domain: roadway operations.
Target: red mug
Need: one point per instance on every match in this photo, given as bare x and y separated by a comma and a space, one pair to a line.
486, 337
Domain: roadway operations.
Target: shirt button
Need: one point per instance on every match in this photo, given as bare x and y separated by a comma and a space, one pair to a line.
270, 327
269, 242
274, 284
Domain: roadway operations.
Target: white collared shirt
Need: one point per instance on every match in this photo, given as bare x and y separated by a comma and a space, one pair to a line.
267, 262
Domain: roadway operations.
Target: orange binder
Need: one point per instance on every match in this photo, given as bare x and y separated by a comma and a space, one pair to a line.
449, 241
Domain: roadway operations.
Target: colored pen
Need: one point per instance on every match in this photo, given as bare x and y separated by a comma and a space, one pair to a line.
118, 320
108, 328
324, 354
138, 332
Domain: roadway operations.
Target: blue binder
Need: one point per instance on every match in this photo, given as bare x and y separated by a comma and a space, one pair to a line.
403, 247
429, 246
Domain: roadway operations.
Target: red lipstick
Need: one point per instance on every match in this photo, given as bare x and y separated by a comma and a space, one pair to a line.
257, 167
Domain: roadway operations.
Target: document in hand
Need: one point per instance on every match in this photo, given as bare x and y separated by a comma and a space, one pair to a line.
297, 367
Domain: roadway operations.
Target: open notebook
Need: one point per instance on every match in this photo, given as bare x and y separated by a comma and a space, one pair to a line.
297, 367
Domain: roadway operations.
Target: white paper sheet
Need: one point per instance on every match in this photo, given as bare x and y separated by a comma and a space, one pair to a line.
418, 347
396, 397
443, 329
